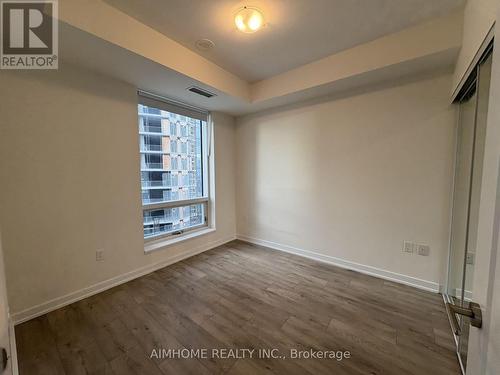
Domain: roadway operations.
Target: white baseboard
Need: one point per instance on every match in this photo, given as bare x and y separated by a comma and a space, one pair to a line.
56, 303
430, 286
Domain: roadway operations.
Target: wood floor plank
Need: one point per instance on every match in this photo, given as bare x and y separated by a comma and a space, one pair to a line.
36, 347
133, 363
243, 296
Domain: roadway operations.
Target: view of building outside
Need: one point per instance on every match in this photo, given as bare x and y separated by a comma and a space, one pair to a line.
171, 169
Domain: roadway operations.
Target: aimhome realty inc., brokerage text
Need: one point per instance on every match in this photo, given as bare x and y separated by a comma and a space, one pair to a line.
250, 353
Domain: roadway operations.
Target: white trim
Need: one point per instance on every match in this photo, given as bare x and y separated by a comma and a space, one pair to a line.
485, 43
56, 303
430, 286
169, 237
158, 244
13, 348
444, 287
209, 166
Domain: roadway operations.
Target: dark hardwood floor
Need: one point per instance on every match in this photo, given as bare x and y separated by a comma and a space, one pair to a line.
244, 296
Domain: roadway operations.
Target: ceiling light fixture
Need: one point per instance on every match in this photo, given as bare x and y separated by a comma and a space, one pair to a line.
249, 19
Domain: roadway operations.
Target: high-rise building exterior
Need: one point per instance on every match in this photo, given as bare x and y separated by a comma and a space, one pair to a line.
171, 169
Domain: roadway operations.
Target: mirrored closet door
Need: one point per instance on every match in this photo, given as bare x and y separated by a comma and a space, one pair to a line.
471, 133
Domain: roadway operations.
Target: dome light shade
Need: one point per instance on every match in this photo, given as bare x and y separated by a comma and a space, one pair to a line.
249, 19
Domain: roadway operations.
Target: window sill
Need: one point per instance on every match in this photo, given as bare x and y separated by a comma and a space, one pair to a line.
162, 243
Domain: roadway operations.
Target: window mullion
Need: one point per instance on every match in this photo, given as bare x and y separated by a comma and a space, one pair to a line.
174, 204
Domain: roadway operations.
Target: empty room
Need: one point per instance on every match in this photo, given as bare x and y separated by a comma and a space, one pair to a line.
276, 187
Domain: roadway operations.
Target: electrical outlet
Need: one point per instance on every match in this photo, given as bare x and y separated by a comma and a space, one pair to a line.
408, 247
423, 249
99, 255
470, 258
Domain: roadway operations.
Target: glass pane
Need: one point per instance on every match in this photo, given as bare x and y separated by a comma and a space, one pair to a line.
483, 91
463, 170
168, 220
171, 156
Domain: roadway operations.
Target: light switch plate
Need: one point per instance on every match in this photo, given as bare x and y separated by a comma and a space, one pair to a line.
408, 247
423, 249
99, 255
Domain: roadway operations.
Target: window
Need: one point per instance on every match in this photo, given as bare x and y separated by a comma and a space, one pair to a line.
174, 167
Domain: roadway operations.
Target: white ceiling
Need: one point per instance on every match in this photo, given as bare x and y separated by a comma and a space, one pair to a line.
85, 50
298, 31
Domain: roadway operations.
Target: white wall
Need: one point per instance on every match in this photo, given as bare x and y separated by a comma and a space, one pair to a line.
353, 178
69, 166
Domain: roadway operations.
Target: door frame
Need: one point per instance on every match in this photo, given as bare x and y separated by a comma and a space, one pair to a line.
480, 358
482, 354
470, 84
